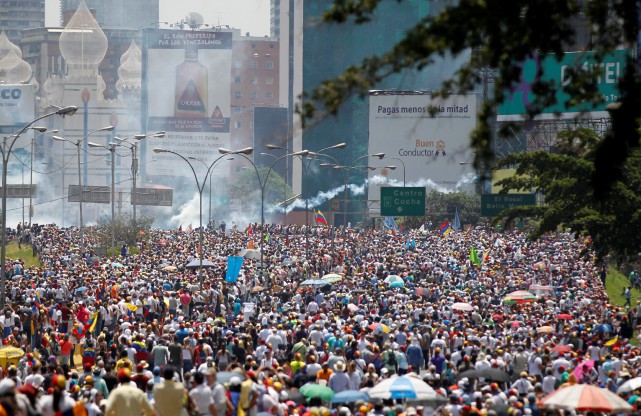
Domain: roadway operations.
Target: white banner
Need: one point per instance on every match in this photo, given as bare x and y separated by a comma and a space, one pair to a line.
431, 136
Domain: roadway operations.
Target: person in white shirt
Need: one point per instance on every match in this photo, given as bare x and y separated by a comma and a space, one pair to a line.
202, 395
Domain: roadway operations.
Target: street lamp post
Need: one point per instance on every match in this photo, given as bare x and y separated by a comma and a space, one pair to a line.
133, 147
402, 163
6, 151
201, 187
313, 157
210, 180
262, 184
42, 131
79, 143
347, 169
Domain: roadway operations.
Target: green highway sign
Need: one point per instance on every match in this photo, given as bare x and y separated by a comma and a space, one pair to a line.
493, 204
400, 201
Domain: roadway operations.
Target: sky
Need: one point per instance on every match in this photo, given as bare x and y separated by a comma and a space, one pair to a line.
247, 15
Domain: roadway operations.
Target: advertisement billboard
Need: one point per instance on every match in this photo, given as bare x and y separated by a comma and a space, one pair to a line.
187, 91
425, 137
552, 70
17, 109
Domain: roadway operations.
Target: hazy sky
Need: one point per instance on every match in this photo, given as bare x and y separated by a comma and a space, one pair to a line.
247, 15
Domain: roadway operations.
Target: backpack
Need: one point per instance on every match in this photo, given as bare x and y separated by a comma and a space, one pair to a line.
391, 358
55, 346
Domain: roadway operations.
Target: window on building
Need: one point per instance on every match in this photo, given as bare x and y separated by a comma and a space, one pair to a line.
238, 124
269, 80
254, 80
253, 64
269, 65
238, 64
253, 95
269, 94
271, 45
238, 94
253, 45
238, 110
236, 79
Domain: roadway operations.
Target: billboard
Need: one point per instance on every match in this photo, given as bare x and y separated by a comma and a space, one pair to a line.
426, 138
16, 105
520, 99
187, 95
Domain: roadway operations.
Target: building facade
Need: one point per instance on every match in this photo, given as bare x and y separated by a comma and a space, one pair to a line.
126, 14
18, 15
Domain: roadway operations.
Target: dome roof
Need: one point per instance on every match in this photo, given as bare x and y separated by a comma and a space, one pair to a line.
14, 69
83, 44
130, 70
6, 46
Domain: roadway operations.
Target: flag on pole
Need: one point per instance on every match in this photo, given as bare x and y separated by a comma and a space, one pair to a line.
446, 228
267, 238
485, 256
457, 221
93, 320
474, 258
320, 218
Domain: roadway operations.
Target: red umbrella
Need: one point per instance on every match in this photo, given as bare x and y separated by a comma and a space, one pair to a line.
585, 398
562, 349
564, 316
421, 291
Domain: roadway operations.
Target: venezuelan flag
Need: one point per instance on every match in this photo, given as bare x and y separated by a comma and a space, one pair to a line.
320, 218
446, 228
93, 320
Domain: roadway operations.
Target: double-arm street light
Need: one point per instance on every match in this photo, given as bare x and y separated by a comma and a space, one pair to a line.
78, 143
262, 184
346, 169
210, 179
42, 131
402, 163
201, 186
111, 147
7, 145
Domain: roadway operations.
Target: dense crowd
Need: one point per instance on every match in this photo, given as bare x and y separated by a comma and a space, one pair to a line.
141, 333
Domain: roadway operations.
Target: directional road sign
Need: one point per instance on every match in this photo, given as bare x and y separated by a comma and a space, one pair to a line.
400, 201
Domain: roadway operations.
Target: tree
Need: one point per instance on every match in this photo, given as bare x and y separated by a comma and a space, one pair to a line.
247, 188
124, 229
442, 206
562, 178
503, 34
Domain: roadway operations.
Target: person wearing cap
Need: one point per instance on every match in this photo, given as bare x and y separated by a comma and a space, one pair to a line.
58, 401
127, 399
169, 395
522, 385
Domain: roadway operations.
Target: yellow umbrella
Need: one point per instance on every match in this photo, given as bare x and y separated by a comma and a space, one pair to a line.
10, 355
170, 268
545, 329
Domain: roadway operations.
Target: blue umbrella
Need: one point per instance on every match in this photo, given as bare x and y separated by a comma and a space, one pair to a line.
350, 396
397, 284
117, 265
81, 289
603, 328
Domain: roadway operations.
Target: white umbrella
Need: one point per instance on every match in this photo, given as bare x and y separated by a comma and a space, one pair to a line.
630, 386
462, 306
405, 387
585, 398
250, 253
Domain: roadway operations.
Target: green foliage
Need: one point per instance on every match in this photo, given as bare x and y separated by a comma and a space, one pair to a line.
502, 34
124, 230
442, 206
563, 179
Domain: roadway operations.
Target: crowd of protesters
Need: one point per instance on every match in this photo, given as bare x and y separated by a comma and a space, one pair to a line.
141, 333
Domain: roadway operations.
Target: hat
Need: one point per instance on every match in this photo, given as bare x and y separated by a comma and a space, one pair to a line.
124, 374
523, 373
235, 381
340, 366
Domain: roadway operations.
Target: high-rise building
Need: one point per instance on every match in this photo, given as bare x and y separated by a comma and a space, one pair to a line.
329, 49
17, 15
126, 14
